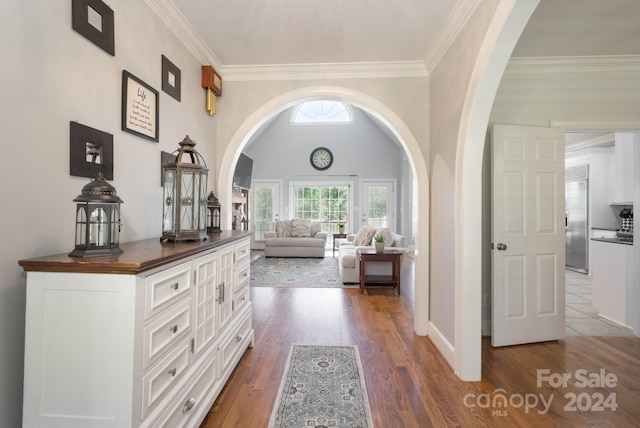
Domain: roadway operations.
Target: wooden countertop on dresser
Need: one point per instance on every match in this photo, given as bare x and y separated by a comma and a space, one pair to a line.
138, 256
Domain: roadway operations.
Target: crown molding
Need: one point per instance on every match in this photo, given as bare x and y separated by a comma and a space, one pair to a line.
462, 12
573, 64
171, 16
603, 140
359, 70
596, 125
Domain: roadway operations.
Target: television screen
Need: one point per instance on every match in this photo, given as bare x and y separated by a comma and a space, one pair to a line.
242, 174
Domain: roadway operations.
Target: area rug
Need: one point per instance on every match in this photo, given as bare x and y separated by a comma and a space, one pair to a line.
323, 386
296, 272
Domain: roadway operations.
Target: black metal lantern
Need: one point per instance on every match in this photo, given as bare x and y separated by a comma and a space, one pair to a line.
213, 213
185, 195
97, 219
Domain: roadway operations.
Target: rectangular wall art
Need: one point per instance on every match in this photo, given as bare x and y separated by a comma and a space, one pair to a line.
140, 107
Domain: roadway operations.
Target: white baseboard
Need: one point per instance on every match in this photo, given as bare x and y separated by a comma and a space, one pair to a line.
444, 347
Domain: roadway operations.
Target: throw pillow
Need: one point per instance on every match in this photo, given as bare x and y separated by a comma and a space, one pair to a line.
283, 228
386, 234
364, 236
300, 228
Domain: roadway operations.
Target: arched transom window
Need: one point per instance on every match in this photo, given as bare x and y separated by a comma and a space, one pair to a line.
322, 111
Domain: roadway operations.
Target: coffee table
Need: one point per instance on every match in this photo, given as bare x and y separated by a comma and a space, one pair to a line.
370, 255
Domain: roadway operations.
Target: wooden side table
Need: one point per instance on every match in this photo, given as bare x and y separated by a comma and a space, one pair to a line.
370, 255
337, 236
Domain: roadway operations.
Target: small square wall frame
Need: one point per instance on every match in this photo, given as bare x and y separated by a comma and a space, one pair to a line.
91, 152
94, 20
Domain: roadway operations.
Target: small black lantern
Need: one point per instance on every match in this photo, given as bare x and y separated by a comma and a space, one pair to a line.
213, 213
185, 195
97, 219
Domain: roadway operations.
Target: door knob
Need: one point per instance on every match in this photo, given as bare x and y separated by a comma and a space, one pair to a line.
501, 247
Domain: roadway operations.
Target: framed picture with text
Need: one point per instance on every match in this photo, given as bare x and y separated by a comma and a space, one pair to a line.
140, 107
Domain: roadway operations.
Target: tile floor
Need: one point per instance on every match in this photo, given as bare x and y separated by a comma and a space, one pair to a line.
581, 316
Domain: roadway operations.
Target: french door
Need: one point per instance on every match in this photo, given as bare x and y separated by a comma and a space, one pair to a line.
378, 202
266, 207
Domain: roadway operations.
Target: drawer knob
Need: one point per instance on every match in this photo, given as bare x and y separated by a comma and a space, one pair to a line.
175, 286
174, 329
188, 405
239, 338
172, 372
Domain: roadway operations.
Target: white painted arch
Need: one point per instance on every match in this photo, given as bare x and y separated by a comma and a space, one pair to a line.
387, 116
504, 31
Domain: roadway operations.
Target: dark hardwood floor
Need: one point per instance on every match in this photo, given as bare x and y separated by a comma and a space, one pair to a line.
409, 384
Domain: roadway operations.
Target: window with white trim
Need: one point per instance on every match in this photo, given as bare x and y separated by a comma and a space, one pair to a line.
322, 112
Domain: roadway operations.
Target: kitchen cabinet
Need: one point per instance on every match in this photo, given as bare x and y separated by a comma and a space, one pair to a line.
612, 270
146, 338
623, 168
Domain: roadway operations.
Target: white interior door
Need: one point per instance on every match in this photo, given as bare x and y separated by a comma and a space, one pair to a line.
265, 207
528, 253
378, 202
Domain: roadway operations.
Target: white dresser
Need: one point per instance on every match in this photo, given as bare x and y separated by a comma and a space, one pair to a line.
144, 339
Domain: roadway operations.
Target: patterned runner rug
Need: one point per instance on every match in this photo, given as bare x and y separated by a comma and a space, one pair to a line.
296, 272
323, 386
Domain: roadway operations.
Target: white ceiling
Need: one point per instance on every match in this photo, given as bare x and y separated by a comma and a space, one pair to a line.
343, 33
268, 32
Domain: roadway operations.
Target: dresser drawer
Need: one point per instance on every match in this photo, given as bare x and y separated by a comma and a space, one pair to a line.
243, 252
162, 377
234, 343
192, 401
242, 276
241, 298
163, 333
166, 287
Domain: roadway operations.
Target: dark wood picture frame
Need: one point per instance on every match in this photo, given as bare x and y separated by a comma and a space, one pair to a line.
171, 80
140, 107
83, 15
90, 151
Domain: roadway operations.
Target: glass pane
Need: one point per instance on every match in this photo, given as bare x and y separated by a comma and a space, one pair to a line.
187, 192
115, 224
263, 211
377, 210
329, 204
202, 206
81, 226
98, 227
322, 111
169, 203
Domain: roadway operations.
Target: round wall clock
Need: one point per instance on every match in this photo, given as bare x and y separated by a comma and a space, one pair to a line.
321, 158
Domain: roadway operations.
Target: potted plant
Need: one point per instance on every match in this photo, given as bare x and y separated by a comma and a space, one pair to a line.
342, 223
379, 243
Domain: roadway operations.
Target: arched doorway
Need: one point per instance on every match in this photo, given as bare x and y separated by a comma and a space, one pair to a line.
505, 29
395, 124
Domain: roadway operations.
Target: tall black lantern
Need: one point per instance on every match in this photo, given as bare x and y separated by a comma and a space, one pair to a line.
97, 219
185, 195
213, 213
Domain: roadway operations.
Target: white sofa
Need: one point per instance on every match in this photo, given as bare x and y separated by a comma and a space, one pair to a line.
295, 238
348, 257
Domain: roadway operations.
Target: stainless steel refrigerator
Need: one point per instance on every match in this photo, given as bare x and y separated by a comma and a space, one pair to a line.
576, 218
